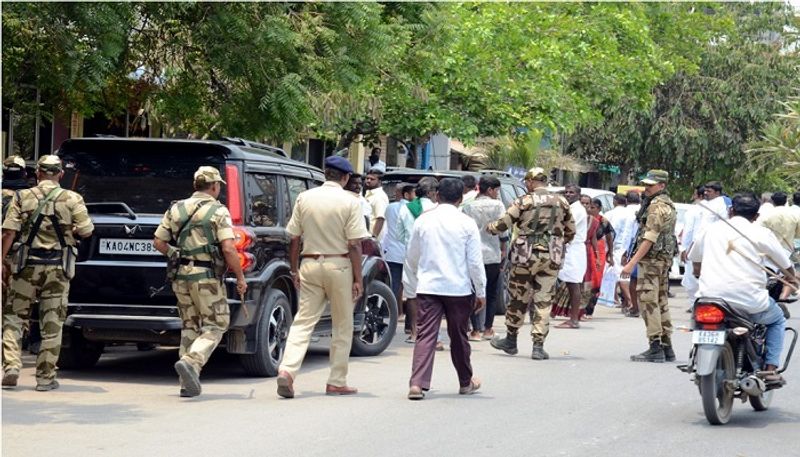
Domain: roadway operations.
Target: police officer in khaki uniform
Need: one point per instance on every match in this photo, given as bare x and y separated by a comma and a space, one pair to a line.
13, 179
47, 218
201, 231
544, 224
331, 225
655, 247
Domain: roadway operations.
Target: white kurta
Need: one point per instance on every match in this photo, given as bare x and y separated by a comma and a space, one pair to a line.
574, 268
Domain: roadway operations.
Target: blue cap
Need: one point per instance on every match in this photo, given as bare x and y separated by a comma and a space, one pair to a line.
339, 163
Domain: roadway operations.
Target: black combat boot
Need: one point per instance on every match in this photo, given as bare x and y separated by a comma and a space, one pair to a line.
669, 353
507, 344
538, 352
654, 354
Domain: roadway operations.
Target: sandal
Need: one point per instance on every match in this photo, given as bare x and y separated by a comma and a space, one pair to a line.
416, 393
569, 324
411, 339
474, 385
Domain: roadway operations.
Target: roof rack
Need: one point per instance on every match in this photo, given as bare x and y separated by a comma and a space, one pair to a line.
253, 144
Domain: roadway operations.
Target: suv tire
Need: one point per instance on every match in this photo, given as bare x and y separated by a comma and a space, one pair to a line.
79, 353
273, 329
380, 321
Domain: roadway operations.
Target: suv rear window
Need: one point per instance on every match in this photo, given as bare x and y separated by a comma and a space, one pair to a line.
147, 177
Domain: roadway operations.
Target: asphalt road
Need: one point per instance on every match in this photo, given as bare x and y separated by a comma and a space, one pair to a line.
588, 400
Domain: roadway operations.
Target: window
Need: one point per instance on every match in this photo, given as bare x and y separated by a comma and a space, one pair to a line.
261, 191
295, 186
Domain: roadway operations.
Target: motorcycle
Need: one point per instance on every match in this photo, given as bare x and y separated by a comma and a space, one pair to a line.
727, 358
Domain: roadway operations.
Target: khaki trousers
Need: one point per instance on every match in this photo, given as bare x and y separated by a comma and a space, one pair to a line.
320, 279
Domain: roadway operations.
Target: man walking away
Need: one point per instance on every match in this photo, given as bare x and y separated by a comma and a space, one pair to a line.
783, 222
378, 201
470, 189
544, 223
444, 255
628, 285
201, 235
47, 219
691, 223
485, 209
329, 222
655, 247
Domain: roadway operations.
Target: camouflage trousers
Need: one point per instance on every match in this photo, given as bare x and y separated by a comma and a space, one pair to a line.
47, 284
531, 287
203, 307
652, 290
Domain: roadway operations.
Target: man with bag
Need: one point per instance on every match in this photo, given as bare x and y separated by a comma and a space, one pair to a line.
544, 223
202, 231
47, 219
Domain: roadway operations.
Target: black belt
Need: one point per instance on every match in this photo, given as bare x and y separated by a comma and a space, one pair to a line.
197, 263
45, 254
43, 262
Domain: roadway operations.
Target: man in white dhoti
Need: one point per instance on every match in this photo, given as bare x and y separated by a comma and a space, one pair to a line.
574, 268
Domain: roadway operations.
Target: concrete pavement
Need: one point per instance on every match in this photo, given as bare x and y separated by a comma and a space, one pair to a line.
588, 400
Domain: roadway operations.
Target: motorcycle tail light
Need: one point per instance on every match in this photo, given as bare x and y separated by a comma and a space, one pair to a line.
708, 314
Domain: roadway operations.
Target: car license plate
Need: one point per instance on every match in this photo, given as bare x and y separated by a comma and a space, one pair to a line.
121, 246
708, 337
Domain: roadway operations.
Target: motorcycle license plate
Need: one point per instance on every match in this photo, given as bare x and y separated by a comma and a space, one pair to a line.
708, 337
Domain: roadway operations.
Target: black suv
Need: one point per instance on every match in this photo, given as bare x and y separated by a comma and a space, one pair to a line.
117, 294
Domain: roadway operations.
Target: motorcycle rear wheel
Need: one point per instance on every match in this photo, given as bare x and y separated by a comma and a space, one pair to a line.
718, 401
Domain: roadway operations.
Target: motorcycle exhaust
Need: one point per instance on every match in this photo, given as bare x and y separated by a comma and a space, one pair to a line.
753, 385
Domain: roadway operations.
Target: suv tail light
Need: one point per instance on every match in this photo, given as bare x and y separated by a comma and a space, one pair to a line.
234, 193
708, 314
242, 239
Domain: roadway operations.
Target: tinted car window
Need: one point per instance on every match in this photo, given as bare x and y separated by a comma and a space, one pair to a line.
295, 186
261, 192
118, 176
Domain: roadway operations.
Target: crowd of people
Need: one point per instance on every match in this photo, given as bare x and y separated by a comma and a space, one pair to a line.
447, 245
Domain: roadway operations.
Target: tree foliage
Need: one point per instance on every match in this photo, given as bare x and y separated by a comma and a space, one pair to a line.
701, 121
777, 151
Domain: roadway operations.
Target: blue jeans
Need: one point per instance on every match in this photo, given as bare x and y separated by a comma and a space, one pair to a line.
776, 327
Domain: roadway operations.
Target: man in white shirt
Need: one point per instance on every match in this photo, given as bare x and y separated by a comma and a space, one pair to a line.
407, 217
630, 301
691, 224
574, 268
470, 189
354, 187
795, 208
378, 201
727, 257
766, 205
394, 250
444, 255
485, 209
374, 161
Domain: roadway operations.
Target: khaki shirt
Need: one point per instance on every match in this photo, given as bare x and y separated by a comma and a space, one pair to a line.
660, 217
785, 224
327, 217
221, 226
522, 212
68, 208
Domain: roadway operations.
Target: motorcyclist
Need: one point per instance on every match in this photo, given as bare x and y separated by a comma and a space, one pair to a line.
729, 258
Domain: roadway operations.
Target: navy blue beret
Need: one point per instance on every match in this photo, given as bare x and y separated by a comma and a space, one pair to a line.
339, 163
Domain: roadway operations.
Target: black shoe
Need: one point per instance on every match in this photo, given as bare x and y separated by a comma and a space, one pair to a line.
633, 314
189, 378
52, 385
654, 354
507, 344
669, 353
538, 352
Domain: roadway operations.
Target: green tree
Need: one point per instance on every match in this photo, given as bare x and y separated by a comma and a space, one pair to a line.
777, 152
701, 121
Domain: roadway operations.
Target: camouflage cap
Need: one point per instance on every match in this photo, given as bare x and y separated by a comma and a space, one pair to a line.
208, 174
14, 163
49, 164
655, 177
536, 174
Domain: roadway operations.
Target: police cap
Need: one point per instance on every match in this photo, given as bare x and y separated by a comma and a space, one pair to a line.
208, 174
49, 164
339, 163
14, 163
536, 174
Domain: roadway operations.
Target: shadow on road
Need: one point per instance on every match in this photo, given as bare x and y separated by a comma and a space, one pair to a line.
749, 420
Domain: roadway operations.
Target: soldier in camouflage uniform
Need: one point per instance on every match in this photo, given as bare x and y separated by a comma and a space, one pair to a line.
544, 224
655, 247
202, 232
47, 218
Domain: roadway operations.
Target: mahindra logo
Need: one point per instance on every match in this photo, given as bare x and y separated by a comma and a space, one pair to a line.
130, 231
